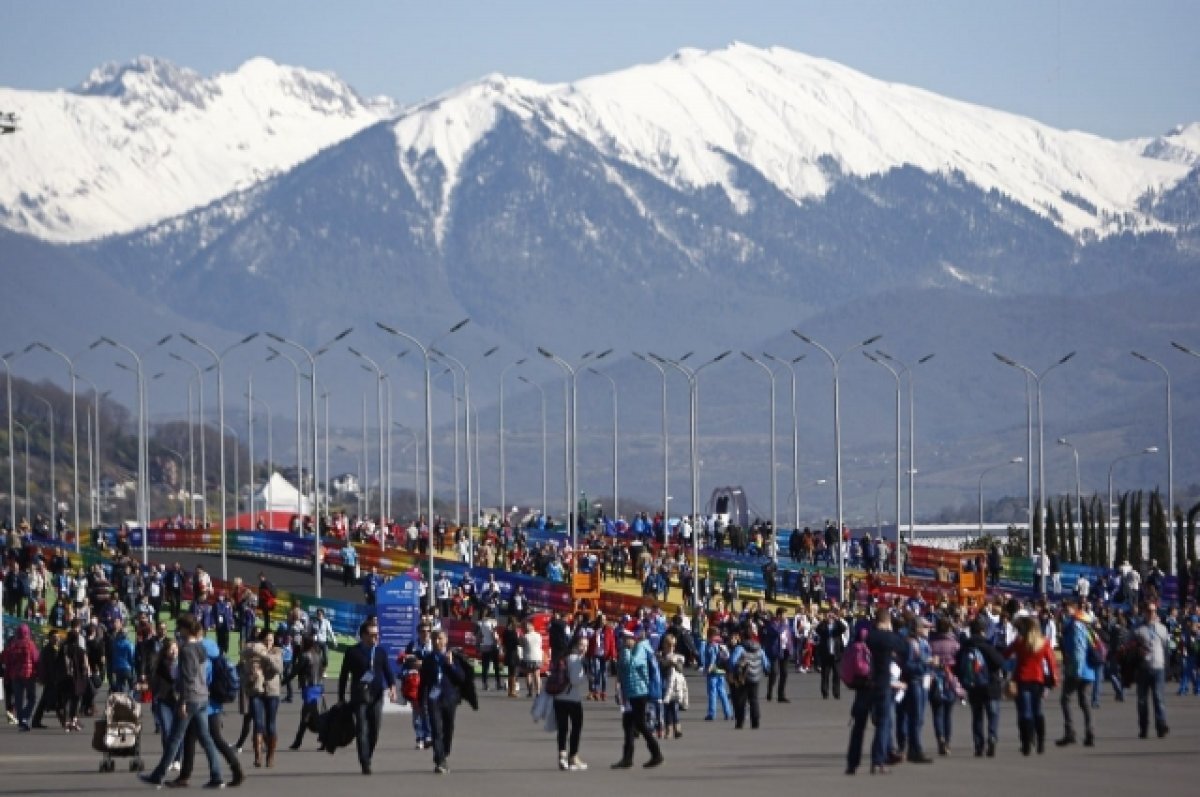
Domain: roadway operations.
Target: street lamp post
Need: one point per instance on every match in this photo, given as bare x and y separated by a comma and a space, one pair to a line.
1170, 461
693, 375
503, 483
199, 422
1037, 380
12, 470
219, 360
373, 367
50, 425
454, 399
896, 375
312, 366
572, 437
1062, 441
837, 443
542, 392
791, 366
986, 471
616, 512
425, 351
774, 486
74, 435
278, 355
270, 446
666, 457
25, 431
1148, 450
912, 444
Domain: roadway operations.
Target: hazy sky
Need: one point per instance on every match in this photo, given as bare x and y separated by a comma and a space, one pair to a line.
1111, 67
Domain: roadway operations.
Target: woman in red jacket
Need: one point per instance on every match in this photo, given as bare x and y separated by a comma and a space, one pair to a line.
20, 673
1036, 671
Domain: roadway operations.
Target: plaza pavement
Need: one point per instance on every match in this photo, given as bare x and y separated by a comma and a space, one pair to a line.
499, 751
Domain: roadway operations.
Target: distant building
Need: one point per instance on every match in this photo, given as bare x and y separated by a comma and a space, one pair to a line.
345, 483
113, 490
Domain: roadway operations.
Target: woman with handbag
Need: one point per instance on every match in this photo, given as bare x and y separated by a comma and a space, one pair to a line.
307, 667
1036, 671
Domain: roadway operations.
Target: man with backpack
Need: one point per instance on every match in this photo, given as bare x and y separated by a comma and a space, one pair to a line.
223, 688
879, 646
1080, 659
980, 669
747, 665
714, 661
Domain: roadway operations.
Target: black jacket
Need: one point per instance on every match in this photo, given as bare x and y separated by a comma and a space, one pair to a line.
991, 656
452, 679
824, 632
355, 664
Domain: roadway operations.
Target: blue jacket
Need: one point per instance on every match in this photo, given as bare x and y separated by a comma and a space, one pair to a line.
1074, 650
633, 666
122, 653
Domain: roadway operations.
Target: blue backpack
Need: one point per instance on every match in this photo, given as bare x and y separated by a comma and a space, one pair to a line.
226, 682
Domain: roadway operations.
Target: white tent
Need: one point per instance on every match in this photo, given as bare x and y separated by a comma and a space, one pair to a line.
278, 495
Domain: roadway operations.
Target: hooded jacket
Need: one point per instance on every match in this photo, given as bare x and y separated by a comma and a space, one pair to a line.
21, 655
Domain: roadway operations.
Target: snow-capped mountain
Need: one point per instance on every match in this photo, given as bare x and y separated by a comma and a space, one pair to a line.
140, 142
787, 115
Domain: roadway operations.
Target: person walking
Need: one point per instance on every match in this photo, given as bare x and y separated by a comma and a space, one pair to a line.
442, 678
510, 641
532, 657
981, 671
944, 647
675, 691
215, 711
633, 669
309, 672
192, 697
568, 706
875, 698
748, 664
20, 674
1036, 671
1151, 674
831, 635
714, 660
367, 672
916, 669
776, 640
1079, 674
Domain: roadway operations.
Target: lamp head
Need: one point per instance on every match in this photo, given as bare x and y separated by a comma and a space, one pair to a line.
491, 351
457, 326
870, 340
1064, 359
1017, 460
1151, 450
722, 355
342, 334
749, 357
548, 355
163, 340
275, 337
925, 359
802, 337
386, 328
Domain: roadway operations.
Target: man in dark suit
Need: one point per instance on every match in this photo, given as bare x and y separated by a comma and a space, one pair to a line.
366, 670
442, 677
831, 636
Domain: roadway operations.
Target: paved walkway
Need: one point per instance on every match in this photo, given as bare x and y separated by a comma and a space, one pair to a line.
500, 751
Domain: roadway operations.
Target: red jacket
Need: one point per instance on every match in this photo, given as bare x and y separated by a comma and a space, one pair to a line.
21, 655
1033, 665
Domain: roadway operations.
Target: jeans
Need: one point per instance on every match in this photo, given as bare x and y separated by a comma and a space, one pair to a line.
943, 723
1074, 687
120, 681
983, 704
490, 659
222, 746
569, 712
914, 717
1189, 674
876, 705
718, 692
599, 682
1029, 700
24, 694
670, 713
197, 716
778, 672
265, 709
165, 714
420, 723
860, 712
1150, 684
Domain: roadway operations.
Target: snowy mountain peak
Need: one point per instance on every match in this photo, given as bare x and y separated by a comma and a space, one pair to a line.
785, 113
142, 141
144, 78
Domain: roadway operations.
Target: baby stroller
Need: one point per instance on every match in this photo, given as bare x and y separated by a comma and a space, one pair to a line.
118, 734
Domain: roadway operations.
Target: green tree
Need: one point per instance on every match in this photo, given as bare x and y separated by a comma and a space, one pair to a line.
1072, 547
1160, 546
1191, 532
1136, 554
1085, 526
1122, 552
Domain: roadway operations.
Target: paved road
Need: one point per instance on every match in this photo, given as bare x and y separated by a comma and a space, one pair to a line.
499, 751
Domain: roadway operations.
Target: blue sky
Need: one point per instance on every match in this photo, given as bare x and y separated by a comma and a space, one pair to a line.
1118, 69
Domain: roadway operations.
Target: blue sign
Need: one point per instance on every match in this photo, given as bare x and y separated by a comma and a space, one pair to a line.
398, 607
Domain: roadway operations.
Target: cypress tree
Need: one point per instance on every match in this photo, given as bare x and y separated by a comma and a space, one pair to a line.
1122, 552
1191, 532
1160, 546
1072, 538
1085, 526
1102, 555
1136, 554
